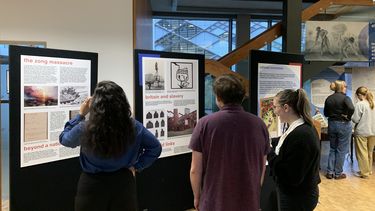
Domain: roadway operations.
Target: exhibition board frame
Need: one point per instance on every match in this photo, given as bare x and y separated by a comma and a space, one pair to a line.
258, 56
50, 185
166, 184
268, 201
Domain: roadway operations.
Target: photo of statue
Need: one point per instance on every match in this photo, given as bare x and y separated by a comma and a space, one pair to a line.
154, 75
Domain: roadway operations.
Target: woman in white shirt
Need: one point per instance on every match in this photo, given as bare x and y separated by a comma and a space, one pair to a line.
295, 161
364, 131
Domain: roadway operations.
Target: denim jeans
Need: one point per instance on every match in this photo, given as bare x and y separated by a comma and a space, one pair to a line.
339, 133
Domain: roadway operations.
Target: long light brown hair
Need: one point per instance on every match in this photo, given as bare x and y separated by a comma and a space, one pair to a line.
367, 93
297, 99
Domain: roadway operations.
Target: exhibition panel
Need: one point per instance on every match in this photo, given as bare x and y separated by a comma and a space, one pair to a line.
169, 90
47, 87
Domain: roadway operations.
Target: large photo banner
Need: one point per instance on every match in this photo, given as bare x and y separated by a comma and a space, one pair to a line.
52, 90
170, 100
273, 78
337, 41
362, 76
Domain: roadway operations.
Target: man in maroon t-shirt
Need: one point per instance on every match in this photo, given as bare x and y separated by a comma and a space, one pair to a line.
229, 153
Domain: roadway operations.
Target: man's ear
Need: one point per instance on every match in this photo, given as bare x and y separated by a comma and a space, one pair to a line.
219, 101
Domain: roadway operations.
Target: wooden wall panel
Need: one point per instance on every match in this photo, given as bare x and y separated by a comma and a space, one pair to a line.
142, 25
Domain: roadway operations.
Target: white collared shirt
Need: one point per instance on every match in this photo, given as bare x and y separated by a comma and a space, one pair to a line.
293, 126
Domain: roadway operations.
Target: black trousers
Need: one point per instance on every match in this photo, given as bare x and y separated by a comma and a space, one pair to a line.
298, 202
114, 191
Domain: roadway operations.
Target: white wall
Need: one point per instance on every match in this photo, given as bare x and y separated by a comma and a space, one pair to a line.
101, 26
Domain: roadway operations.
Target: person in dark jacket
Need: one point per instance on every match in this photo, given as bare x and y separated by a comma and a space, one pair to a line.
338, 108
294, 161
113, 147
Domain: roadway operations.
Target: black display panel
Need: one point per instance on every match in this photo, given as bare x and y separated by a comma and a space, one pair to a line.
166, 184
256, 57
50, 185
268, 198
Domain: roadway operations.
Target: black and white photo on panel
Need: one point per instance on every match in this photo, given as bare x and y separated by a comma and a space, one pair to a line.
73, 95
155, 122
154, 78
148, 115
181, 75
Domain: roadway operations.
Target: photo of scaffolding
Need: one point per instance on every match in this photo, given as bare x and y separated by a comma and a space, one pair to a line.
181, 123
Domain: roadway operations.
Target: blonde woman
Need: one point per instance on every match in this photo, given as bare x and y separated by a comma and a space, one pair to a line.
339, 109
364, 131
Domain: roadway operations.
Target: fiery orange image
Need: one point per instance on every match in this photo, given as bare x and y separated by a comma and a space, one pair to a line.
40, 96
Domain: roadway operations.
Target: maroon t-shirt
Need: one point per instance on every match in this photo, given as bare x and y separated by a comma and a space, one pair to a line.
233, 144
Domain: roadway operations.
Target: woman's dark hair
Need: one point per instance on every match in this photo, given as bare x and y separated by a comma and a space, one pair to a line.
298, 101
229, 89
110, 129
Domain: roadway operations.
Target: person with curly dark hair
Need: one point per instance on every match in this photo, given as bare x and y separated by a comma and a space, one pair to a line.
113, 147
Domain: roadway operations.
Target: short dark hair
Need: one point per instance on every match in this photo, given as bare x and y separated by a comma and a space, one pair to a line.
229, 89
